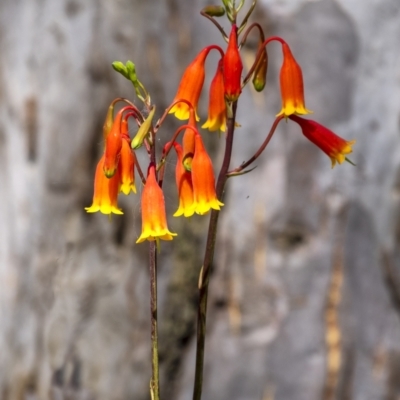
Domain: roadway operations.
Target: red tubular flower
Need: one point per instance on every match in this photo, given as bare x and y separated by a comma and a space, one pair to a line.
190, 87
113, 146
203, 180
184, 185
188, 143
217, 107
126, 163
126, 167
154, 220
334, 146
232, 68
105, 192
292, 89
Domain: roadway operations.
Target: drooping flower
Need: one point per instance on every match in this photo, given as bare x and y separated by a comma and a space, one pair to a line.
188, 143
292, 88
232, 67
190, 86
203, 180
105, 192
216, 106
126, 163
184, 185
127, 168
331, 144
113, 146
154, 220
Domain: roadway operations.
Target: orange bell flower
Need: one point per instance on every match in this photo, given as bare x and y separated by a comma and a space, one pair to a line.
184, 185
292, 88
127, 168
233, 68
190, 87
113, 146
105, 192
217, 107
188, 143
126, 163
154, 220
331, 144
203, 180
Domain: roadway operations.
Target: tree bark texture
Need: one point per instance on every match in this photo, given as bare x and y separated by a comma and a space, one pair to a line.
305, 295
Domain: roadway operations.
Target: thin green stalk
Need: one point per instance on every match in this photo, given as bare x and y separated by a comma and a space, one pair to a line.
155, 382
208, 259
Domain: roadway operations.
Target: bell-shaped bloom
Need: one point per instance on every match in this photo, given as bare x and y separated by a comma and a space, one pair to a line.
217, 107
292, 88
203, 180
233, 68
113, 147
331, 144
126, 166
105, 192
184, 185
154, 220
190, 86
188, 143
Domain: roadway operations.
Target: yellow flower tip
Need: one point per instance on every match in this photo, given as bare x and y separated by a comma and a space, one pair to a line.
204, 207
289, 110
185, 211
92, 209
214, 125
104, 209
152, 235
182, 111
126, 188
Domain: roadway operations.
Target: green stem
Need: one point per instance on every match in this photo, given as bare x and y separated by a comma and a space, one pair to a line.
208, 259
154, 383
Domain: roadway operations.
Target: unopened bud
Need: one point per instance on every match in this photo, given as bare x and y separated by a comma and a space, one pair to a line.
260, 72
137, 141
214, 11
120, 67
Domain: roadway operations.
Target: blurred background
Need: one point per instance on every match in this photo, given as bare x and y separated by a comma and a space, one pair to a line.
305, 293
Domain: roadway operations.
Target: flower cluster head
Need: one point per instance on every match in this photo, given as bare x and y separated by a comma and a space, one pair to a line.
197, 190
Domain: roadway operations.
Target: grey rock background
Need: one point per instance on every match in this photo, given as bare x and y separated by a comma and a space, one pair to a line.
305, 297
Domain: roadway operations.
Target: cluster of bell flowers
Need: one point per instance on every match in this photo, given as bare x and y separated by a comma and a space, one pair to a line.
194, 171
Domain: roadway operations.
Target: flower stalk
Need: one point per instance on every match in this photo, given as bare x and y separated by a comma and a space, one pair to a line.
209, 257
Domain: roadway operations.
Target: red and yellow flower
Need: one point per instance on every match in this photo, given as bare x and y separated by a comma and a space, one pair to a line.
203, 180
331, 144
190, 87
188, 143
126, 163
217, 107
292, 88
113, 146
105, 192
154, 220
184, 185
232, 67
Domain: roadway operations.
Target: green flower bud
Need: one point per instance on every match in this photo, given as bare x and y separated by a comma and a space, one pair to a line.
144, 129
214, 11
260, 72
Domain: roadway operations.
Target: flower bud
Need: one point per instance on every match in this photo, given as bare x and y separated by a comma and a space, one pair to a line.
232, 68
137, 141
260, 72
214, 11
